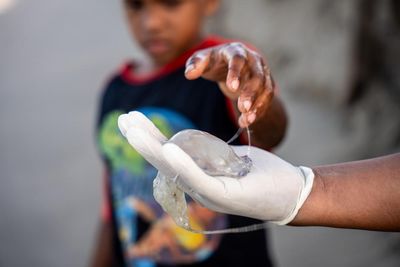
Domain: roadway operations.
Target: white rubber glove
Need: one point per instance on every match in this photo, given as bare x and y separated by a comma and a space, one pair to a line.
145, 138
274, 190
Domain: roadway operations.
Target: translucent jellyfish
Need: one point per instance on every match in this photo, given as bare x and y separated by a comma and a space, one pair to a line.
171, 198
212, 155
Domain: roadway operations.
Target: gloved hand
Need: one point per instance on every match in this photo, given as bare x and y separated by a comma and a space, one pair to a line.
274, 190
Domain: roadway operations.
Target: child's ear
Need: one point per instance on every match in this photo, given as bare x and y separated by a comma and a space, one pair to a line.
211, 6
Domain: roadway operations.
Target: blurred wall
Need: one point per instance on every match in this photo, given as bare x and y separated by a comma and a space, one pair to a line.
56, 54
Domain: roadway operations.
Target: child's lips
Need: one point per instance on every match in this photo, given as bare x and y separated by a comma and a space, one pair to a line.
157, 47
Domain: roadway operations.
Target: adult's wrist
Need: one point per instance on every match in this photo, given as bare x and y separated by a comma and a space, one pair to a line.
312, 210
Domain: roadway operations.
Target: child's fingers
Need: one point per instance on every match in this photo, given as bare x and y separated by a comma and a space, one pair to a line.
257, 87
197, 64
258, 92
248, 115
235, 55
236, 64
248, 67
269, 80
248, 93
260, 104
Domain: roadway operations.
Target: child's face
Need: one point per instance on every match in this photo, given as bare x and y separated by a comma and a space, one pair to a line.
167, 28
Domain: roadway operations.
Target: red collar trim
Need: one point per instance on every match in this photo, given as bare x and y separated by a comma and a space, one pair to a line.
128, 74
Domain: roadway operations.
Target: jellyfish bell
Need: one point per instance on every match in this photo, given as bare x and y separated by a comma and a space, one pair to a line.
212, 155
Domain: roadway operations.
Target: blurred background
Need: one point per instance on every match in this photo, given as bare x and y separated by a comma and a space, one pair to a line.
337, 64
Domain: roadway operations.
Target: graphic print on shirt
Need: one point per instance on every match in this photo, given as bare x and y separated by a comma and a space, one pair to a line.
132, 191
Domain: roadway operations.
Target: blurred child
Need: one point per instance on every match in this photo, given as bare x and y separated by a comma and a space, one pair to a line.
134, 229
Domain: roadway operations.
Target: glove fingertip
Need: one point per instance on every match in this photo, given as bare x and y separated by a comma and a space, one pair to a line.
145, 123
123, 124
129, 120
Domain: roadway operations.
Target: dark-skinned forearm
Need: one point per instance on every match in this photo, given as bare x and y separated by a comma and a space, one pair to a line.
362, 194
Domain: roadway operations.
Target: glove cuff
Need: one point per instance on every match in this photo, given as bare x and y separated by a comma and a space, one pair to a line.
308, 177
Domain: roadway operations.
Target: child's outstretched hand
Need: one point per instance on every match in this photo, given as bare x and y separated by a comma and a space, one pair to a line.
241, 73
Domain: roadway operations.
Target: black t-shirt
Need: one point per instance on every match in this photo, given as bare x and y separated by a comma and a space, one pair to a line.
173, 103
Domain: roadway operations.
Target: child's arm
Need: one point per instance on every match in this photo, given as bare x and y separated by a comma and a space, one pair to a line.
245, 78
103, 248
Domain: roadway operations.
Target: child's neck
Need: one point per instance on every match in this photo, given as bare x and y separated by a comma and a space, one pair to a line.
149, 65
145, 68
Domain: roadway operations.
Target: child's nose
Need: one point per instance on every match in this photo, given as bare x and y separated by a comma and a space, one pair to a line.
153, 19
